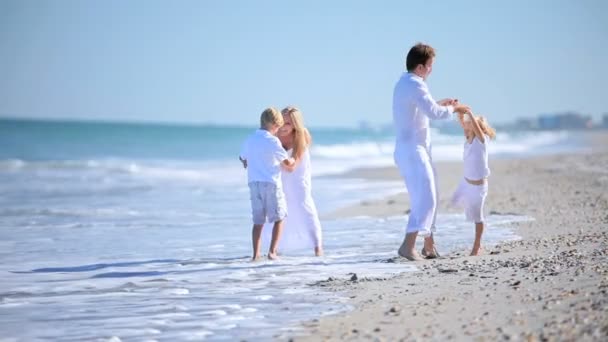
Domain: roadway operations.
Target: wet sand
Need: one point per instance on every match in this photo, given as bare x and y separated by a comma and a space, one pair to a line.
550, 286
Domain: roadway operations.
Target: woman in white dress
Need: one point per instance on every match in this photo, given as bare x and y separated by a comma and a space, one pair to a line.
301, 228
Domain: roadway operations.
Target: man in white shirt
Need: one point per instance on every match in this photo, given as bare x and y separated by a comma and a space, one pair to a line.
413, 106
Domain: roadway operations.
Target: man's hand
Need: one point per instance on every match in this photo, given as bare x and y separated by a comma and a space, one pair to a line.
447, 102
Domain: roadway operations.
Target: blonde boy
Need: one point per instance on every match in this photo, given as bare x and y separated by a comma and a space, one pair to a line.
262, 156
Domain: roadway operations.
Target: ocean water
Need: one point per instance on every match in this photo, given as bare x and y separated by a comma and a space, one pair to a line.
142, 232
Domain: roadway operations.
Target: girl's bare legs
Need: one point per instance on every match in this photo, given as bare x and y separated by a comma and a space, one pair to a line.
256, 234
277, 229
477, 244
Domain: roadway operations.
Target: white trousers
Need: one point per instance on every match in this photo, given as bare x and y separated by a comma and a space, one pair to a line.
416, 168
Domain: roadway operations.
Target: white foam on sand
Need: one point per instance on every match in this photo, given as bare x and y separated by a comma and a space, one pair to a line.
136, 295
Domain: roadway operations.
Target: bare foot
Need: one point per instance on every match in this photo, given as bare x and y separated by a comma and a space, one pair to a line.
476, 251
429, 251
318, 251
429, 254
409, 255
273, 256
256, 258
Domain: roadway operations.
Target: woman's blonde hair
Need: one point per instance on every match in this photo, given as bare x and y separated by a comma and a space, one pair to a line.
301, 138
270, 116
485, 127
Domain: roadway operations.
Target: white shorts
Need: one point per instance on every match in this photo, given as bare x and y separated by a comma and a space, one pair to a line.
472, 198
267, 202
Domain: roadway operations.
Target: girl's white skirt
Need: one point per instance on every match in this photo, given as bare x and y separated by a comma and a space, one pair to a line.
472, 198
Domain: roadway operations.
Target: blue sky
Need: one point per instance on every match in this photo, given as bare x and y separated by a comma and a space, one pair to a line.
225, 61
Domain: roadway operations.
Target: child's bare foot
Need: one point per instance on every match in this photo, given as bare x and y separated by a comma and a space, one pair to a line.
318, 251
273, 256
255, 258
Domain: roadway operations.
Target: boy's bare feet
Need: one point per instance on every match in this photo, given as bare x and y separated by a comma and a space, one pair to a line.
318, 251
476, 251
273, 256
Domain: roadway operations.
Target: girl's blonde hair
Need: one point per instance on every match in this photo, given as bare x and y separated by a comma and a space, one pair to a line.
302, 138
485, 127
270, 116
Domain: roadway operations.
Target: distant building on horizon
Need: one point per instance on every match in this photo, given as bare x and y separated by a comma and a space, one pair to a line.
567, 120
526, 124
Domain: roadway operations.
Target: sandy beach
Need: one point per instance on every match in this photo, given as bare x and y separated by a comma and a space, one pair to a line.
552, 285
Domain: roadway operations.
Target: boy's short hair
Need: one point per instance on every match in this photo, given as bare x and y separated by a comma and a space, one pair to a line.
271, 116
419, 54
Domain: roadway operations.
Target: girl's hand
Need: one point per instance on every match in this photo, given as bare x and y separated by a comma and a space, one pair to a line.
462, 108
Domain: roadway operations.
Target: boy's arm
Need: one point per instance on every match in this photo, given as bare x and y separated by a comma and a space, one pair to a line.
243, 161
244, 153
289, 164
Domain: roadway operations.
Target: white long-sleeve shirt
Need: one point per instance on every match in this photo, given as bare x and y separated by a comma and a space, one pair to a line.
413, 106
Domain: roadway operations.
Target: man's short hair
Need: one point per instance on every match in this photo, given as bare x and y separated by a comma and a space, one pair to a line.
419, 54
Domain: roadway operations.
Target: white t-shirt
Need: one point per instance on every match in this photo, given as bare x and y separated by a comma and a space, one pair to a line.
264, 154
476, 159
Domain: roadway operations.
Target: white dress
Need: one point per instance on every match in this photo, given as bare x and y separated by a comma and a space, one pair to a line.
301, 227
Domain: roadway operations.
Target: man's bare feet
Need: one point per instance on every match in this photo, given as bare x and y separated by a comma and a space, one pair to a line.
429, 251
318, 251
411, 255
408, 247
273, 256
432, 254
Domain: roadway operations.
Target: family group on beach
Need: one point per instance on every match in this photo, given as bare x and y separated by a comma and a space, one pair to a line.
277, 159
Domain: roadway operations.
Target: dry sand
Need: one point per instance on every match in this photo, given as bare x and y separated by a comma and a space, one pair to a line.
550, 286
